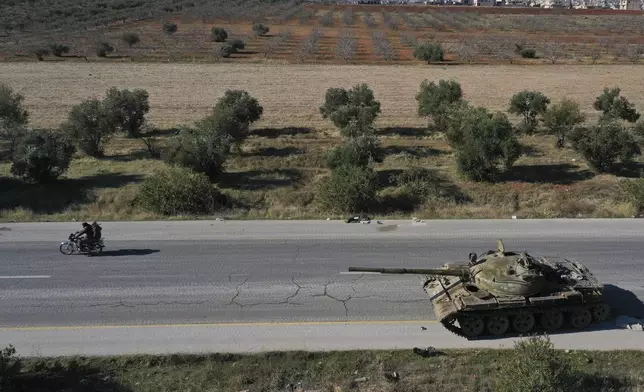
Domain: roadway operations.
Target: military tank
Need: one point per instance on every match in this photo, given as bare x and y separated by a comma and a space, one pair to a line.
504, 293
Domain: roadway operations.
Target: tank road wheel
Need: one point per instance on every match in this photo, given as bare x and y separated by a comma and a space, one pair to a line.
471, 326
552, 320
523, 322
580, 318
601, 312
498, 325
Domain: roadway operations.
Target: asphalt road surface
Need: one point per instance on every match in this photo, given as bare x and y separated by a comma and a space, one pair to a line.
156, 281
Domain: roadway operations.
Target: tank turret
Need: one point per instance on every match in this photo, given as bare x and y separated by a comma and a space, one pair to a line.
505, 292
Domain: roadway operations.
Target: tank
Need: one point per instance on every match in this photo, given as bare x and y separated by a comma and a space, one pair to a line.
505, 293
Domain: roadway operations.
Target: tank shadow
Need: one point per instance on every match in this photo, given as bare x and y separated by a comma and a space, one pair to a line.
623, 302
127, 252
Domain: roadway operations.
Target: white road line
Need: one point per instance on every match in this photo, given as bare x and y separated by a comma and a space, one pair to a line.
26, 277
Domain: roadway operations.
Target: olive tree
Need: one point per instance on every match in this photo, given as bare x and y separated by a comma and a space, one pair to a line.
351, 189
560, 119
612, 105
604, 143
128, 109
90, 124
484, 142
529, 104
41, 156
435, 99
353, 111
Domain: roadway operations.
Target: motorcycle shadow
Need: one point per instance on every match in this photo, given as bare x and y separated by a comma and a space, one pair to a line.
127, 252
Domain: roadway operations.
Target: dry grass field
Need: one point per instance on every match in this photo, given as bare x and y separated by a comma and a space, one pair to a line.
284, 160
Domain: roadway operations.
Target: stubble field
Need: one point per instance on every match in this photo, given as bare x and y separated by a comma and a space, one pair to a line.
283, 162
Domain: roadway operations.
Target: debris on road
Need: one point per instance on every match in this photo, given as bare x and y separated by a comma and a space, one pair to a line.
632, 323
426, 352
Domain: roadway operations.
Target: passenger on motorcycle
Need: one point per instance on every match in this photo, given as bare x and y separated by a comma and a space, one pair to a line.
87, 232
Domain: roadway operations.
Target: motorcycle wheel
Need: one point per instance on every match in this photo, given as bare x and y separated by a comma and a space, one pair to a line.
67, 248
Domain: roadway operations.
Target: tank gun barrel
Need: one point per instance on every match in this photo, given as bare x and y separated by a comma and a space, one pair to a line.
462, 272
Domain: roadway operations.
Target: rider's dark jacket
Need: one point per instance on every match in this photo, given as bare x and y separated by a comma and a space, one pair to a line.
87, 231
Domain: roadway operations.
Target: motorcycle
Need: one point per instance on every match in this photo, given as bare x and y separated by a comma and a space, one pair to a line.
73, 245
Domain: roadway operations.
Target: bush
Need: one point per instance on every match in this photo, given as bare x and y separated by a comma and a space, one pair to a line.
59, 49
128, 109
358, 151
614, 106
169, 28
237, 44
529, 104
90, 124
41, 156
219, 34
351, 189
561, 119
528, 53
260, 29
483, 141
103, 49
10, 366
12, 111
176, 191
131, 39
353, 111
202, 150
634, 189
435, 100
603, 144
429, 52
535, 365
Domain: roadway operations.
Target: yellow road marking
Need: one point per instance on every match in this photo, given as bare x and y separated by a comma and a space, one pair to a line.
249, 324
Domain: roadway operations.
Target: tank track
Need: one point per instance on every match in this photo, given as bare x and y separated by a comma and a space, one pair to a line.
448, 323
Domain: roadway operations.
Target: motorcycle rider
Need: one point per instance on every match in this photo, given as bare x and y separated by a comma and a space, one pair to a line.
87, 232
96, 228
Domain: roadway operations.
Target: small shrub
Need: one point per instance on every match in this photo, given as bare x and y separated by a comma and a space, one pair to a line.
429, 52
128, 109
59, 49
41, 156
560, 119
528, 53
353, 111
219, 34
604, 144
634, 189
351, 189
535, 365
131, 39
260, 29
359, 151
176, 191
237, 44
529, 104
41, 53
103, 49
170, 28
90, 124
12, 110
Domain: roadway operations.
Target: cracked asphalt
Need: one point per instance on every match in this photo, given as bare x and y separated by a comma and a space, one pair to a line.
243, 274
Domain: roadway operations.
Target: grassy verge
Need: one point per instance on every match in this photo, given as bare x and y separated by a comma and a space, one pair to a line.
533, 366
277, 175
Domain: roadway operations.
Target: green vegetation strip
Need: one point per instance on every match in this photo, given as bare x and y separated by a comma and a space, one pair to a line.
532, 365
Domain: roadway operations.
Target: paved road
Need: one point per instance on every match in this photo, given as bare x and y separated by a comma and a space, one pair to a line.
258, 272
